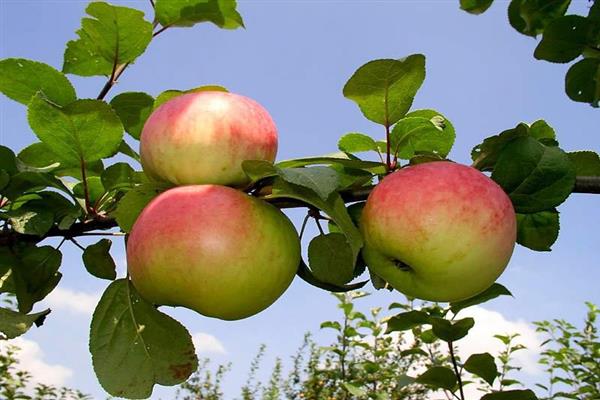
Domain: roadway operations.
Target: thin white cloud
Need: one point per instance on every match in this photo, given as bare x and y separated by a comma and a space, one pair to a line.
206, 343
72, 301
31, 359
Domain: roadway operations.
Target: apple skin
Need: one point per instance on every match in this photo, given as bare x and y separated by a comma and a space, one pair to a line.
213, 249
203, 137
450, 224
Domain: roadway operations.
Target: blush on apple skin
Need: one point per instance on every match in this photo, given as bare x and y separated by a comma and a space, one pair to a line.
203, 137
438, 231
212, 249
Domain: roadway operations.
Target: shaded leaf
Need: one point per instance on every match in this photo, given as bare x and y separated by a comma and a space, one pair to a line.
538, 231
331, 259
134, 346
115, 35
13, 323
407, 320
119, 175
259, 169
536, 177
482, 365
438, 377
587, 163
451, 331
564, 39
30, 221
21, 79
475, 6
492, 292
172, 93
321, 180
511, 395
98, 261
485, 155
530, 17
582, 82
384, 89
134, 201
342, 159
133, 108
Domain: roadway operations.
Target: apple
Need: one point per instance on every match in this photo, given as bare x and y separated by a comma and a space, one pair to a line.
203, 137
213, 249
438, 231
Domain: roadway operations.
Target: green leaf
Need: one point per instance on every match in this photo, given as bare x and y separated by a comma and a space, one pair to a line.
222, 13
259, 169
482, 365
306, 275
341, 159
475, 6
8, 160
95, 189
564, 39
530, 17
440, 141
21, 79
119, 176
134, 346
331, 259
511, 395
98, 262
126, 149
134, 201
438, 377
31, 221
13, 323
535, 176
538, 231
39, 156
133, 108
582, 82
451, 331
385, 89
115, 35
352, 177
4, 179
417, 134
485, 155
87, 130
490, 293
540, 130
407, 320
27, 182
321, 180
35, 274
355, 142
587, 163
172, 93
355, 390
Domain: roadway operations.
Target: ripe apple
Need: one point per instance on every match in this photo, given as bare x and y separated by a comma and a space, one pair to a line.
213, 249
438, 231
203, 137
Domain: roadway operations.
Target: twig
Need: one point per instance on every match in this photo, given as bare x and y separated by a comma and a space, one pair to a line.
456, 372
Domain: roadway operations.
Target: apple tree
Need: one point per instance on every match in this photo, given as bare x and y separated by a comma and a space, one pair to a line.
66, 185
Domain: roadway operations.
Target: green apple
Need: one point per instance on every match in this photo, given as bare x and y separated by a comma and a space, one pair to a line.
203, 137
438, 231
213, 249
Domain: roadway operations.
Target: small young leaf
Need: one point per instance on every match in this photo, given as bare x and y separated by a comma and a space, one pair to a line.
451, 331
564, 39
587, 163
482, 365
438, 377
582, 82
535, 176
407, 320
97, 260
541, 130
134, 201
171, 94
21, 79
222, 13
115, 35
322, 180
385, 89
13, 323
538, 231
511, 395
492, 292
85, 130
530, 17
475, 6
331, 259
134, 346
133, 108
355, 142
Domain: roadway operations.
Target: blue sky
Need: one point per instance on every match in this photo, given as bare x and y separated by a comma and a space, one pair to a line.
294, 57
